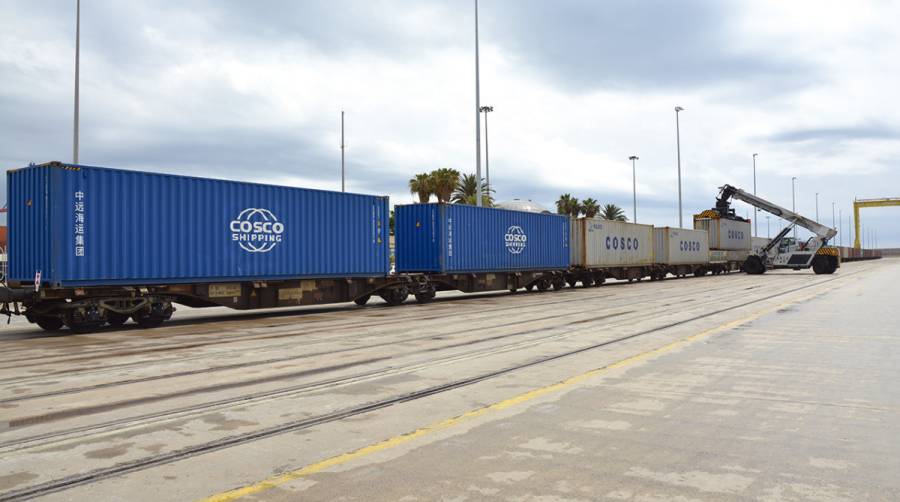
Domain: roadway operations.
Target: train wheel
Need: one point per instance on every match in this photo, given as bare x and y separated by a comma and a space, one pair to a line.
395, 297
700, 272
153, 316
599, 279
543, 284
529, 287
587, 281
115, 318
147, 322
572, 282
559, 283
49, 323
362, 300
425, 297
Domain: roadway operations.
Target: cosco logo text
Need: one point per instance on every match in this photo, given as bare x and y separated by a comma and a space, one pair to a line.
736, 234
256, 230
515, 239
622, 243
689, 245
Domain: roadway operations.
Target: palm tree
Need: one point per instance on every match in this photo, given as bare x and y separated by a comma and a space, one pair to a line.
443, 183
465, 191
421, 185
590, 207
613, 212
568, 205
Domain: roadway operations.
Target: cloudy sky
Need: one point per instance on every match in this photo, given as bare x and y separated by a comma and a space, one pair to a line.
253, 91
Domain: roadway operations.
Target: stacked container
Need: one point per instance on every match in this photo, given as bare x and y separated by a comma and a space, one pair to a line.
598, 243
456, 238
726, 234
680, 246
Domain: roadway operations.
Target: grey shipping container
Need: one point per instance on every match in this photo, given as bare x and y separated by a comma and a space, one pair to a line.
725, 234
597, 243
680, 246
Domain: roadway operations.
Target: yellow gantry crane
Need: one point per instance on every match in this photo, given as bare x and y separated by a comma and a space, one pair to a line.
860, 203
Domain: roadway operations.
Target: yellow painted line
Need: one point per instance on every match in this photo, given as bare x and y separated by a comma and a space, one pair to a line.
498, 406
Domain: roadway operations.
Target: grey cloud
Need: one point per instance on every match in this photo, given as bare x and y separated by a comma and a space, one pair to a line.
583, 44
871, 131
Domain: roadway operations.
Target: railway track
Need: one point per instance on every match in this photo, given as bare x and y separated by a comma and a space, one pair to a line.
587, 321
99, 474
305, 343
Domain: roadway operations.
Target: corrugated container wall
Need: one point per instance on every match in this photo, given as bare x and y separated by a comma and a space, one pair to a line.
603, 243
724, 233
455, 238
680, 246
82, 225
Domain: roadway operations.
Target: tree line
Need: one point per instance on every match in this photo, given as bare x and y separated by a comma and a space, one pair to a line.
589, 208
448, 186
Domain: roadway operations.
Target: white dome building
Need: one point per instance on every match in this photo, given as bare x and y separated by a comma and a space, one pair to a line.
522, 205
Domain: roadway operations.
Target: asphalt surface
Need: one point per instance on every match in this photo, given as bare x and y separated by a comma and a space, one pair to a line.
779, 387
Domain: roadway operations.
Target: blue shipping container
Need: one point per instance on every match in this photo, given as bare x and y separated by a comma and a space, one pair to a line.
454, 238
88, 226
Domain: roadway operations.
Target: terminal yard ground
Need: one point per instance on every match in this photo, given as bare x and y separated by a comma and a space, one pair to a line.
774, 387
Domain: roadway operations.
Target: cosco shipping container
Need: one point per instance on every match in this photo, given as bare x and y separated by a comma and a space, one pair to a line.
725, 233
603, 243
87, 226
680, 246
455, 238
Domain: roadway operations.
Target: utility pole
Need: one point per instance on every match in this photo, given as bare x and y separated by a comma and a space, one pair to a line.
477, 117
342, 152
832, 217
77, 70
487, 155
794, 202
841, 230
678, 147
633, 159
755, 209
817, 207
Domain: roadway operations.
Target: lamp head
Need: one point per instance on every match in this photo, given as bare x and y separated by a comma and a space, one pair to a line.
678, 109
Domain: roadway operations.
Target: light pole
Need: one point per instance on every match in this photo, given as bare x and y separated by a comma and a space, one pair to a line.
634, 158
487, 157
678, 148
77, 69
833, 227
768, 236
755, 209
794, 203
817, 207
841, 229
342, 152
477, 117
